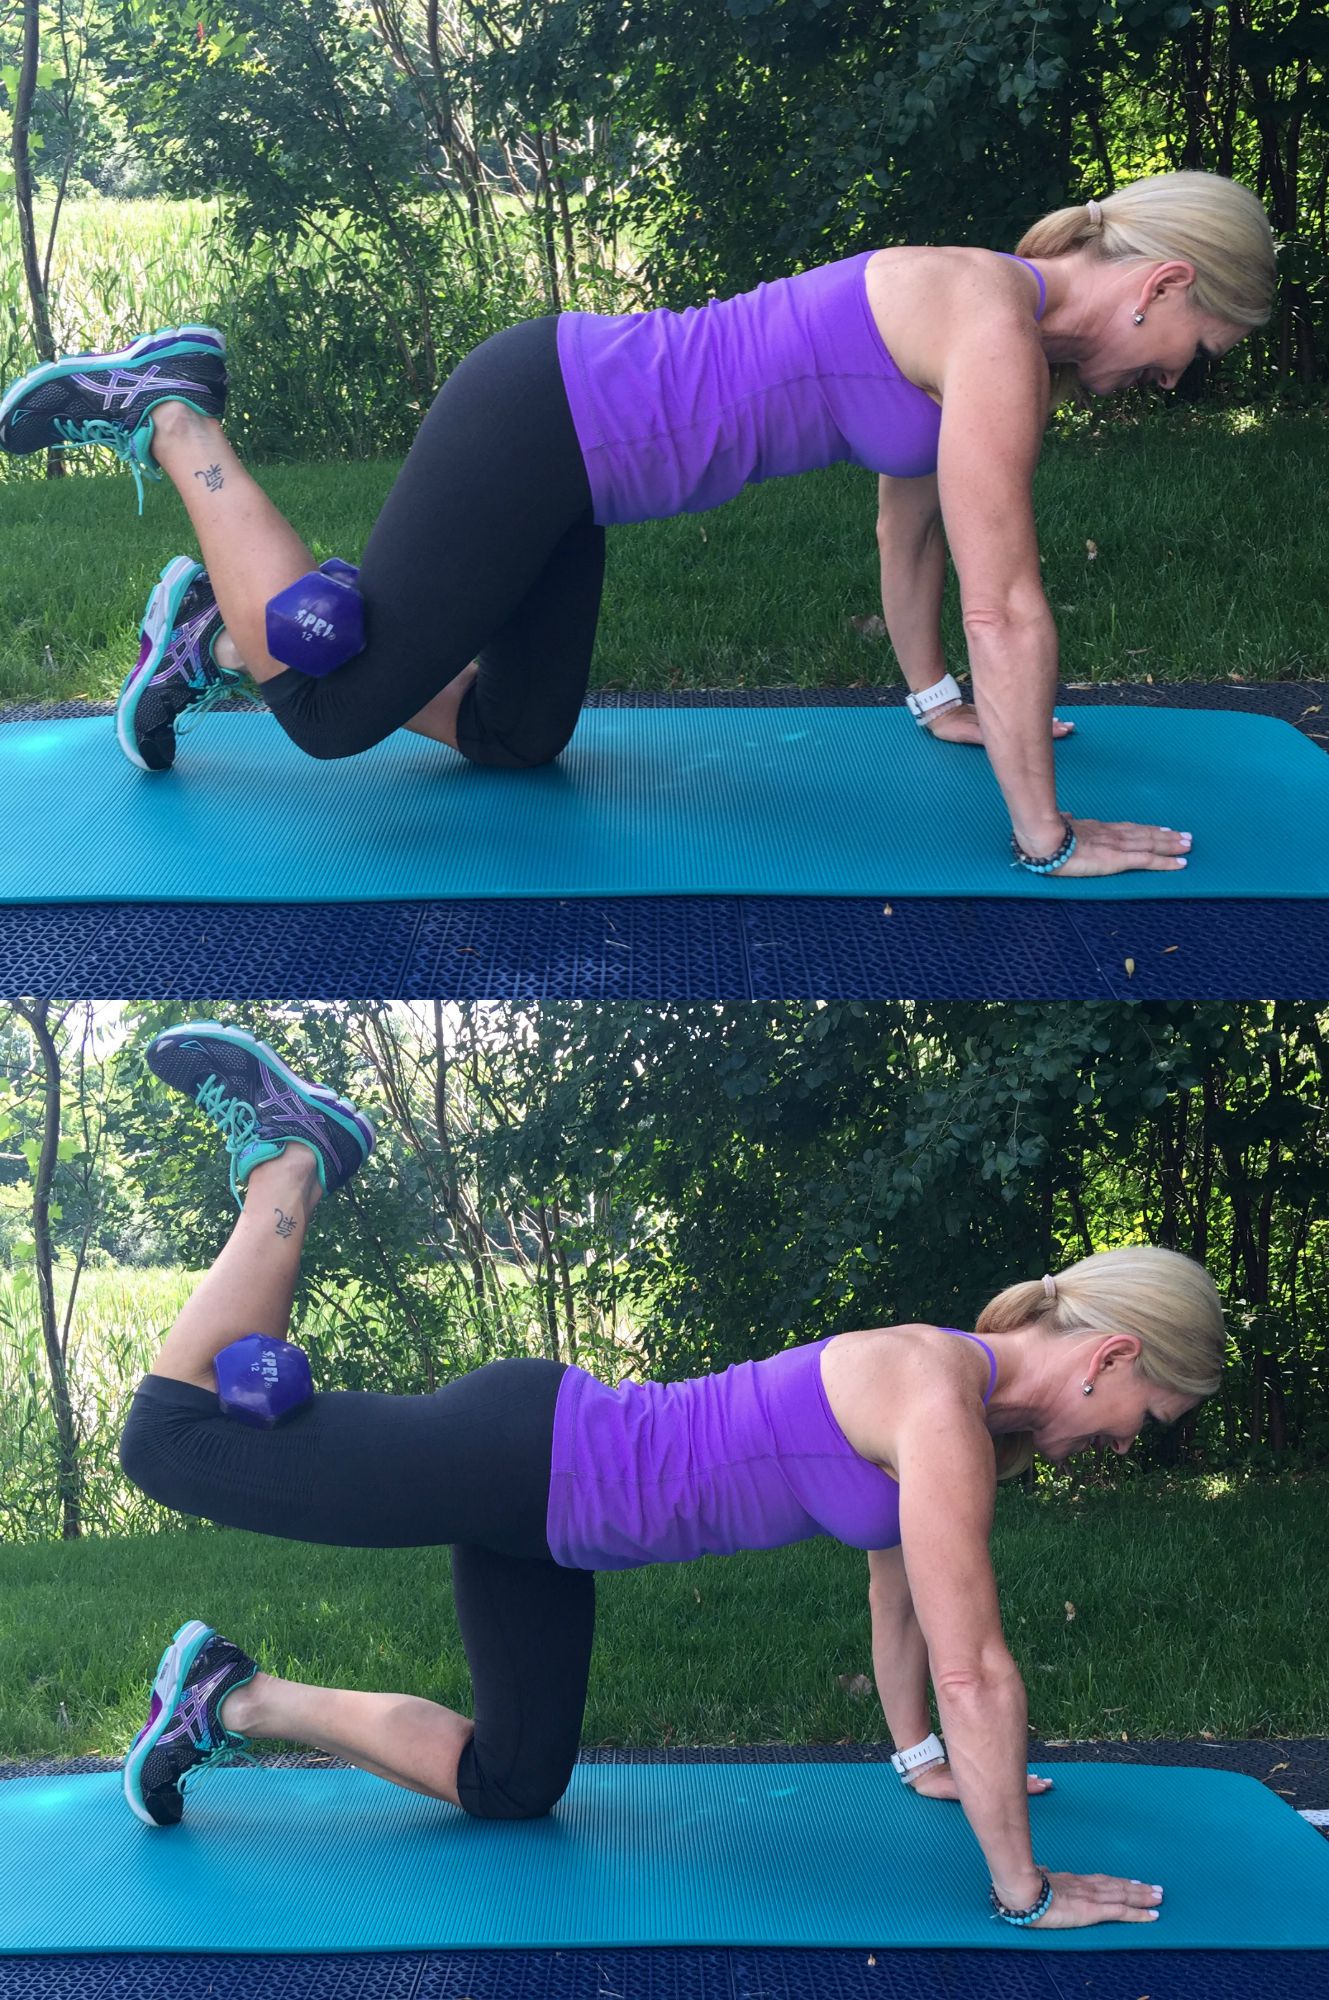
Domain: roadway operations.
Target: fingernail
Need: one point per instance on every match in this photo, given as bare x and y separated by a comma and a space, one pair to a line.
1181, 861
1151, 1916
1157, 1888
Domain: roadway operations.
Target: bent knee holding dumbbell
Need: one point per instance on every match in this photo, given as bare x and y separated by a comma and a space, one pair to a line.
320, 721
158, 1445
180, 1444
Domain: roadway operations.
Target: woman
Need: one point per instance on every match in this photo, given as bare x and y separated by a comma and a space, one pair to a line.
481, 579
538, 1476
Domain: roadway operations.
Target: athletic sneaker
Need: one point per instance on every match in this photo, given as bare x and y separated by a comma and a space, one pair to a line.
258, 1104
109, 398
184, 1731
176, 674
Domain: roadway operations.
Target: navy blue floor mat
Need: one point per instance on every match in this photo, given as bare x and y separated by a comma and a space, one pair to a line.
705, 948
681, 1975
702, 948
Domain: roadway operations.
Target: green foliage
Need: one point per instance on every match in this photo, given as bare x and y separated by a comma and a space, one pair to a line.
397, 182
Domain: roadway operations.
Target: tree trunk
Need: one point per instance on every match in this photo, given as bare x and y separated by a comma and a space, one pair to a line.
544, 194
43, 339
564, 215
69, 1475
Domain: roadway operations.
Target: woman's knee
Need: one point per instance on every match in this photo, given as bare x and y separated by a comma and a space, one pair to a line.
526, 751
147, 1447
513, 1794
324, 728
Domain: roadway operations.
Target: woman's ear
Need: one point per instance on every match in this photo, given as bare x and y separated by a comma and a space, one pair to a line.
1172, 278
1122, 1348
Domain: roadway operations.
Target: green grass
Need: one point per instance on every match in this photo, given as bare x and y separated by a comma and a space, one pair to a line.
120, 1320
1212, 558
113, 260
1202, 1608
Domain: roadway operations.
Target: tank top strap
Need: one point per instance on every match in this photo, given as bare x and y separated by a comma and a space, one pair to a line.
992, 1359
1042, 287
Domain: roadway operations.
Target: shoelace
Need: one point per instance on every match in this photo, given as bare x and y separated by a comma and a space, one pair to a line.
208, 697
226, 1754
97, 430
235, 1117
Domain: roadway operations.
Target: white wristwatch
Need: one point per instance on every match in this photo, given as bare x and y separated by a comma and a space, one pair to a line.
943, 694
906, 1763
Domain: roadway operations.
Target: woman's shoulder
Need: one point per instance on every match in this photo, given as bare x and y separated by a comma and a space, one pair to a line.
880, 1379
925, 296
959, 268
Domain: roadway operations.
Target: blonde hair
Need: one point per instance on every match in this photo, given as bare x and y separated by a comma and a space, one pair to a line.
1167, 1301
1215, 224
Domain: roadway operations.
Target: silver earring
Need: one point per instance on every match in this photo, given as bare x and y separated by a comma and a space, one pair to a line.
1088, 1388
1139, 319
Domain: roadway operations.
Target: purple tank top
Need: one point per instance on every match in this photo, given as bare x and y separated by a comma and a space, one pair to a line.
749, 1459
677, 411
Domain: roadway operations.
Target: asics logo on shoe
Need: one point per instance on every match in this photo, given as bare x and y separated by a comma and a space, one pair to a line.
234, 1117
181, 654
122, 385
287, 1104
191, 1718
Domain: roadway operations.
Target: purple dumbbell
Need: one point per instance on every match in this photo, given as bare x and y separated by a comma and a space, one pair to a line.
318, 623
262, 1381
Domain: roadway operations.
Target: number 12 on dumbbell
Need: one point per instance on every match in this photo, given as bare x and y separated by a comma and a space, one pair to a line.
261, 1381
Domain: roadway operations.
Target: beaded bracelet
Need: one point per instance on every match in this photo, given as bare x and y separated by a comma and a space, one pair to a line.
1045, 864
1029, 1916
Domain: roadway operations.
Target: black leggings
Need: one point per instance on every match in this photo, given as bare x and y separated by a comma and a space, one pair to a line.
485, 550
468, 1465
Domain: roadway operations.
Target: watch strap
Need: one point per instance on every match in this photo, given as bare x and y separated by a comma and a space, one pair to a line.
930, 701
930, 1751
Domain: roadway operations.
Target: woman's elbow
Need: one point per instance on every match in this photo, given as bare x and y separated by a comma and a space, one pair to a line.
975, 1676
1005, 618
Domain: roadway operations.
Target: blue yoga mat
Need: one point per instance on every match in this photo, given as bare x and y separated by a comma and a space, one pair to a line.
638, 1854
664, 802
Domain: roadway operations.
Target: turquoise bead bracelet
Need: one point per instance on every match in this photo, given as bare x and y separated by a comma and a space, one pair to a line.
1029, 1916
1045, 864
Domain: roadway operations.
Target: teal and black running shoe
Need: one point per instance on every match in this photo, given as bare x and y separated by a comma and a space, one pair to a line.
109, 398
176, 675
184, 1731
258, 1104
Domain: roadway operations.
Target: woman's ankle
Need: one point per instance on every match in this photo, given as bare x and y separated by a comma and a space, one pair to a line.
241, 1711
292, 1177
226, 653
178, 428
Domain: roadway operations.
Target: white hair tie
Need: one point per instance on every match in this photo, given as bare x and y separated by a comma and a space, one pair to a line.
1095, 213
1049, 1285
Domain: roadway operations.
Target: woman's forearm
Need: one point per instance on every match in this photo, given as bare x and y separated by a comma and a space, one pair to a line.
900, 1668
1014, 666
913, 577
986, 1722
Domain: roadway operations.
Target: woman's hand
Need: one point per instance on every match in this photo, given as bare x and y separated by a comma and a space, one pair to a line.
937, 1781
1102, 847
1077, 1900
1081, 1900
961, 725
1117, 847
